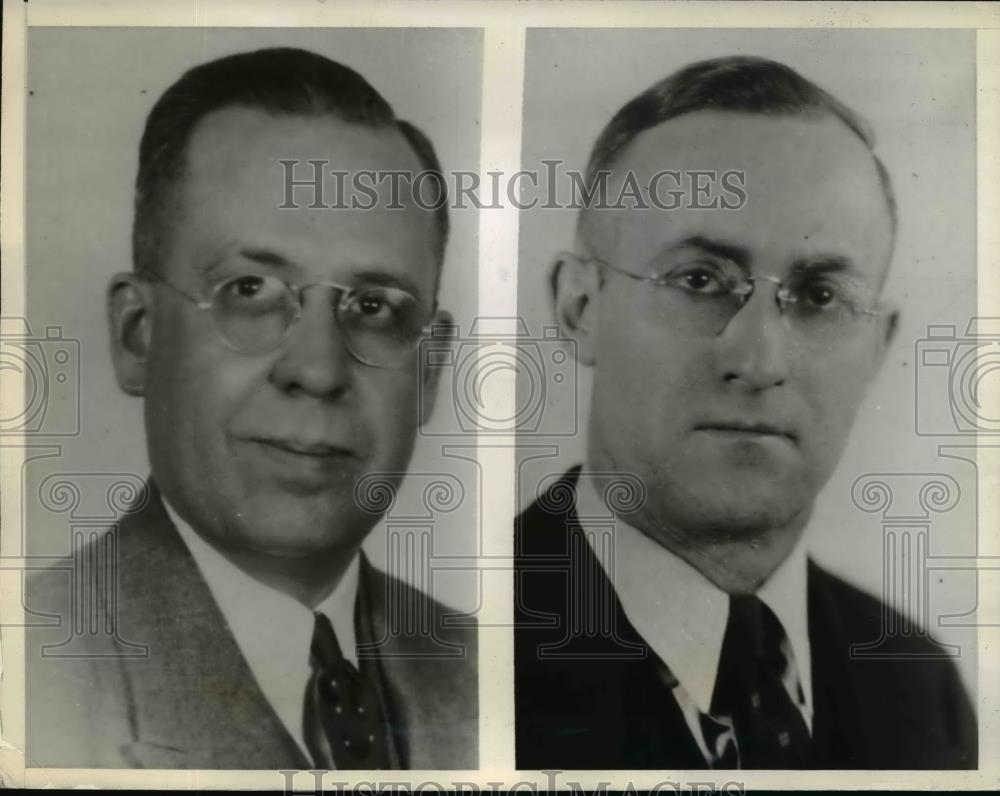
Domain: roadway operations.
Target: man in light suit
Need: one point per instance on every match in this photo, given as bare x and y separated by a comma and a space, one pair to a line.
667, 615
273, 339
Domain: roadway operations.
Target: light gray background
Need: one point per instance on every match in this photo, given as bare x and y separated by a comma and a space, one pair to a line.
90, 92
917, 89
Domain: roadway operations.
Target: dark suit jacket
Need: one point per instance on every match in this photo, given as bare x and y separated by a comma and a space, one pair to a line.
594, 698
192, 701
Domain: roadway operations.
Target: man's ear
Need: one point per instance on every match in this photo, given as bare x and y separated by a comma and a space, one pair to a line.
576, 283
430, 368
889, 322
129, 311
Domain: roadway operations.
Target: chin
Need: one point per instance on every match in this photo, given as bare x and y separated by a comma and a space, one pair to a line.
296, 543
731, 514
311, 549
295, 529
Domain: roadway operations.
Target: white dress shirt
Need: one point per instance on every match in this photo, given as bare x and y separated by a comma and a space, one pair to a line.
682, 615
274, 631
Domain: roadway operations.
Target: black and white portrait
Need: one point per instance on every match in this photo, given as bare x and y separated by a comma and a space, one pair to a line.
499, 396
753, 235
252, 391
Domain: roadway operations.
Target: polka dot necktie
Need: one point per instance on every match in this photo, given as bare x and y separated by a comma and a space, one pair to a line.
769, 729
343, 720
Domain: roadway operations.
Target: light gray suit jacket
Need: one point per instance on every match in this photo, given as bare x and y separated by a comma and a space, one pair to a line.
190, 700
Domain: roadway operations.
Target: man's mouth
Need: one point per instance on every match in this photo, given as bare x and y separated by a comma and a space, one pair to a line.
749, 428
314, 448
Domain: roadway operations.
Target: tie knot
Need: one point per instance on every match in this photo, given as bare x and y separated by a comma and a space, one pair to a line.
752, 648
753, 630
325, 650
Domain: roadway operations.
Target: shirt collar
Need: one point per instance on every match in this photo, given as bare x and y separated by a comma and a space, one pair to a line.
679, 612
273, 630
786, 593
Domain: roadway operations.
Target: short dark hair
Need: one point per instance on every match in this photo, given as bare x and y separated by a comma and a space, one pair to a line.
744, 84
279, 80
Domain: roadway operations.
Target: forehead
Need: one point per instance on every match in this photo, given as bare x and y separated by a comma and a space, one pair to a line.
811, 188
235, 186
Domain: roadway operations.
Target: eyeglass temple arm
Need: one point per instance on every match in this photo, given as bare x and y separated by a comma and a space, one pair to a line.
201, 304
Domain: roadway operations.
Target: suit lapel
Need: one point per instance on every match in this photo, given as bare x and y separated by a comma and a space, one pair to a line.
869, 713
589, 697
836, 729
368, 637
426, 671
639, 706
195, 702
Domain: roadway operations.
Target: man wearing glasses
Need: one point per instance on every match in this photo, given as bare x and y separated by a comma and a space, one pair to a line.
276, 352
730, 349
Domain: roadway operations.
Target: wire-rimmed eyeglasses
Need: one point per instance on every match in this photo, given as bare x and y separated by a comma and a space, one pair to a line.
254, 314
705, 293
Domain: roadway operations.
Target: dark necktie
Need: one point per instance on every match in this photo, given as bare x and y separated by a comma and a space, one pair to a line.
343, 720
769, 728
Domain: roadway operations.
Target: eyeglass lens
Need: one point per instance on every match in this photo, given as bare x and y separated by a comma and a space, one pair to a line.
379, 324
705, 297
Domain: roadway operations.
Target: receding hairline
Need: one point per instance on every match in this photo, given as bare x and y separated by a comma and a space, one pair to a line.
276, 80
305, 117
171, 201
585, 219
746, 84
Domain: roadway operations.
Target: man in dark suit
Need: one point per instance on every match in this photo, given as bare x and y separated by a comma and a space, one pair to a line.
667, 615
273, 339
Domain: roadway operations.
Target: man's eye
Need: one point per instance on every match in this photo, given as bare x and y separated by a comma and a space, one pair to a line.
381, 309
374, 305
250, 294
697, 279
819, 295
247, 286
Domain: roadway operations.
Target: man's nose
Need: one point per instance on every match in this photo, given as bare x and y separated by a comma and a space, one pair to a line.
753, 350
314, 358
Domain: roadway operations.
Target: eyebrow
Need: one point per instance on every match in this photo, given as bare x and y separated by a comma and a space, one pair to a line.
217, 265
729, 251
740, 255
265, 257
386, 279
368, 276
824, 263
